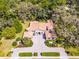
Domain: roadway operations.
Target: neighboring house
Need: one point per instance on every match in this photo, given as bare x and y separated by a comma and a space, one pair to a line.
44, 30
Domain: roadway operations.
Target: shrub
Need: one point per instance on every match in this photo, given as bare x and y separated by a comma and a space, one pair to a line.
50, 43
18, 26
59, 40
18, 39
14, 44
9, 32
35, 54
27, 42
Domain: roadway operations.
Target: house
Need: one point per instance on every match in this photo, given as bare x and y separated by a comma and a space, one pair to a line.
44, 30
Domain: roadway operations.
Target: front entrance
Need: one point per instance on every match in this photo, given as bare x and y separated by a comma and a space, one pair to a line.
39, 34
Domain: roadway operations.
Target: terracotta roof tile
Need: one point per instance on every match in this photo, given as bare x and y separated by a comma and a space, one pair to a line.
34, 25
28, 34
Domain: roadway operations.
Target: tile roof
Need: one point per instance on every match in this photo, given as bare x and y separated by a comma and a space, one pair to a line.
34, 25
28, 34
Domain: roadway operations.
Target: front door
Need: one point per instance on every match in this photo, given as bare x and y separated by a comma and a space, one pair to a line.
38, 34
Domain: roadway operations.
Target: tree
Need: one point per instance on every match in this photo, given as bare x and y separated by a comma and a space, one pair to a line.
9, 33
3, 5
66, 26
61, 2
18, 26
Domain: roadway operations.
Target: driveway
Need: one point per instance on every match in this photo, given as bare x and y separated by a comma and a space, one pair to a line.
39, 46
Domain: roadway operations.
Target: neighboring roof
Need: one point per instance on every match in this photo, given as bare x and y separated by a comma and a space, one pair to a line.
34, 25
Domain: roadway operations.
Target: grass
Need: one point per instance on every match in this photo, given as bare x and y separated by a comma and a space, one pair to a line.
9, 53
1, 53
50, 54
25, 54
28, 54
71, 51
6, 45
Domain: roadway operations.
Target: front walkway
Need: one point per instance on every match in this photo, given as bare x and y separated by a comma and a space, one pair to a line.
39, 46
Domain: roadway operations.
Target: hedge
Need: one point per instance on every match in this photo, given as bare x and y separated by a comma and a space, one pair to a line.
50, 54
24, 54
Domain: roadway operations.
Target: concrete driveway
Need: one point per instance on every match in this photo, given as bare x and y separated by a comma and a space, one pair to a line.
39, 46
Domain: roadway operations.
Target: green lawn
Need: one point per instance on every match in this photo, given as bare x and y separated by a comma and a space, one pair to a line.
71, 51
50, 54
25, 54
1, 53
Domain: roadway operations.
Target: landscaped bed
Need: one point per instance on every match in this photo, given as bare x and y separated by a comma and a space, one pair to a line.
50, 54
25, 54
50, 43
27, 42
